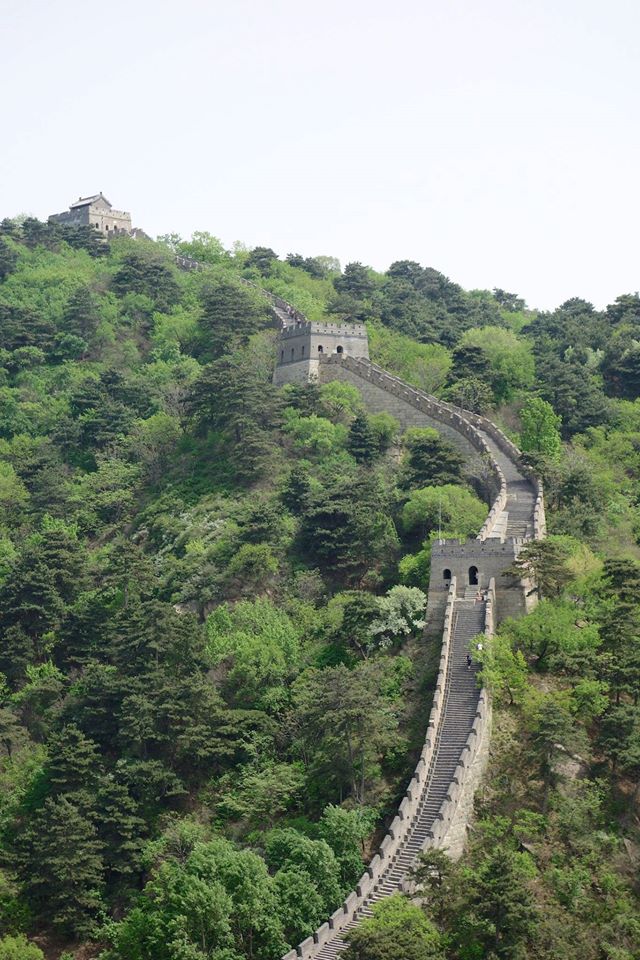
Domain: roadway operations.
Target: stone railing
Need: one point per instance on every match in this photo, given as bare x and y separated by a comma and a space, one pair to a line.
510, 450
447, 414
466, 423
539, 516
450, 823
463, 420
402, 822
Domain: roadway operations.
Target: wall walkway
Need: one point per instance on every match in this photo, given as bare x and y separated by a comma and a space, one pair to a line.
438, 804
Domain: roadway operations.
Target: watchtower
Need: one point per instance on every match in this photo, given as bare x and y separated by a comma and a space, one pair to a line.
302, 344
95, 211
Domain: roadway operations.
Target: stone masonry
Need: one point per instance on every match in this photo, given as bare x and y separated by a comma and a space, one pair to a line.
95, 211
468, 594
304, 344
471, 589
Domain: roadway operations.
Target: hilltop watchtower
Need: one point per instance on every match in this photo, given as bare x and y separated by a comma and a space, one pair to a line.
302, 345
97, 212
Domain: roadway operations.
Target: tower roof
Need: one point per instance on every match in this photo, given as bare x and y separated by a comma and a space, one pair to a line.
87, 201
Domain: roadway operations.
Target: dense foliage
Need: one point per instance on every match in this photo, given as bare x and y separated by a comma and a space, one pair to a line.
212, 591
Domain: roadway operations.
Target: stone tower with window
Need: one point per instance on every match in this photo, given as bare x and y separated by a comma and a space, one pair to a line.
97, 212
302, 344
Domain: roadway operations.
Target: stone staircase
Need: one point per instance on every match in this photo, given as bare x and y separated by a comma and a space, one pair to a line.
460, 705
521, 496
426, 816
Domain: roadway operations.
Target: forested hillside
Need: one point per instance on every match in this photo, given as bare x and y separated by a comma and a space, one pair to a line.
213, 678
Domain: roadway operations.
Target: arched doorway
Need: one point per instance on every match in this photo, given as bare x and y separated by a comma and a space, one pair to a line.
473, 576
339, 350
320, 350
446, 574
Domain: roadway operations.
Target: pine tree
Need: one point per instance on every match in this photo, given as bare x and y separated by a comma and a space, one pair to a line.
362, 442
120, 829
430, 459
230, 314
8, 259
61, 868
81, 316
74, 766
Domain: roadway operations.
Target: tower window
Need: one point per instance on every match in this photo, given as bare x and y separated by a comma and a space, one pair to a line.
293, 352
302, 351
320, 350
281, 355
446, 574
339, 350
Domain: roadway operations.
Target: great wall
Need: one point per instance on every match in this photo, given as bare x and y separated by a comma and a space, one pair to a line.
470, 592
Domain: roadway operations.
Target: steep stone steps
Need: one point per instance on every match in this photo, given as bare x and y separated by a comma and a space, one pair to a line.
521, 496
461, 703
461, 693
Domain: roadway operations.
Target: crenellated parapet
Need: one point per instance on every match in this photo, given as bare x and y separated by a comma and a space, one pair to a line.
472, 587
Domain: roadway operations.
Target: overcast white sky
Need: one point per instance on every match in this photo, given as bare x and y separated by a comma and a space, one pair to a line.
496, 140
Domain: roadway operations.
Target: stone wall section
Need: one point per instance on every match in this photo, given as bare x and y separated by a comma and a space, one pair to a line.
412, 408
457, 813
383, 392
402, 823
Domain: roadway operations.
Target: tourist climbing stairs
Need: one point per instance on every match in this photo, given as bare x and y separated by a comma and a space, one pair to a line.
460, 705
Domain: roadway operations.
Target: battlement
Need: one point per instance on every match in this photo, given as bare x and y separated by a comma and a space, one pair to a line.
474, 564
305, 328
304, 343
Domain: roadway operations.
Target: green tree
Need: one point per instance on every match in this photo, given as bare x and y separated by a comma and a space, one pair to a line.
18, 948
446, 507
362, 442
149, 275
511, 363
356, 281
346, 528
8, 259
204, 900
262, 259
286, 848
81, 315
258, 648
346, 831
230, 314
235, 398
554, 734
544, 562
573, 392
540, 428
13, 495
435, 876
263, 793
470, 394
345, 723
556, 637
499, 916
398, 928
61, 867
431, 460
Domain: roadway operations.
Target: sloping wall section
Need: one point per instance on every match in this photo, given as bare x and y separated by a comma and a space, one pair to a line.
469, 593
